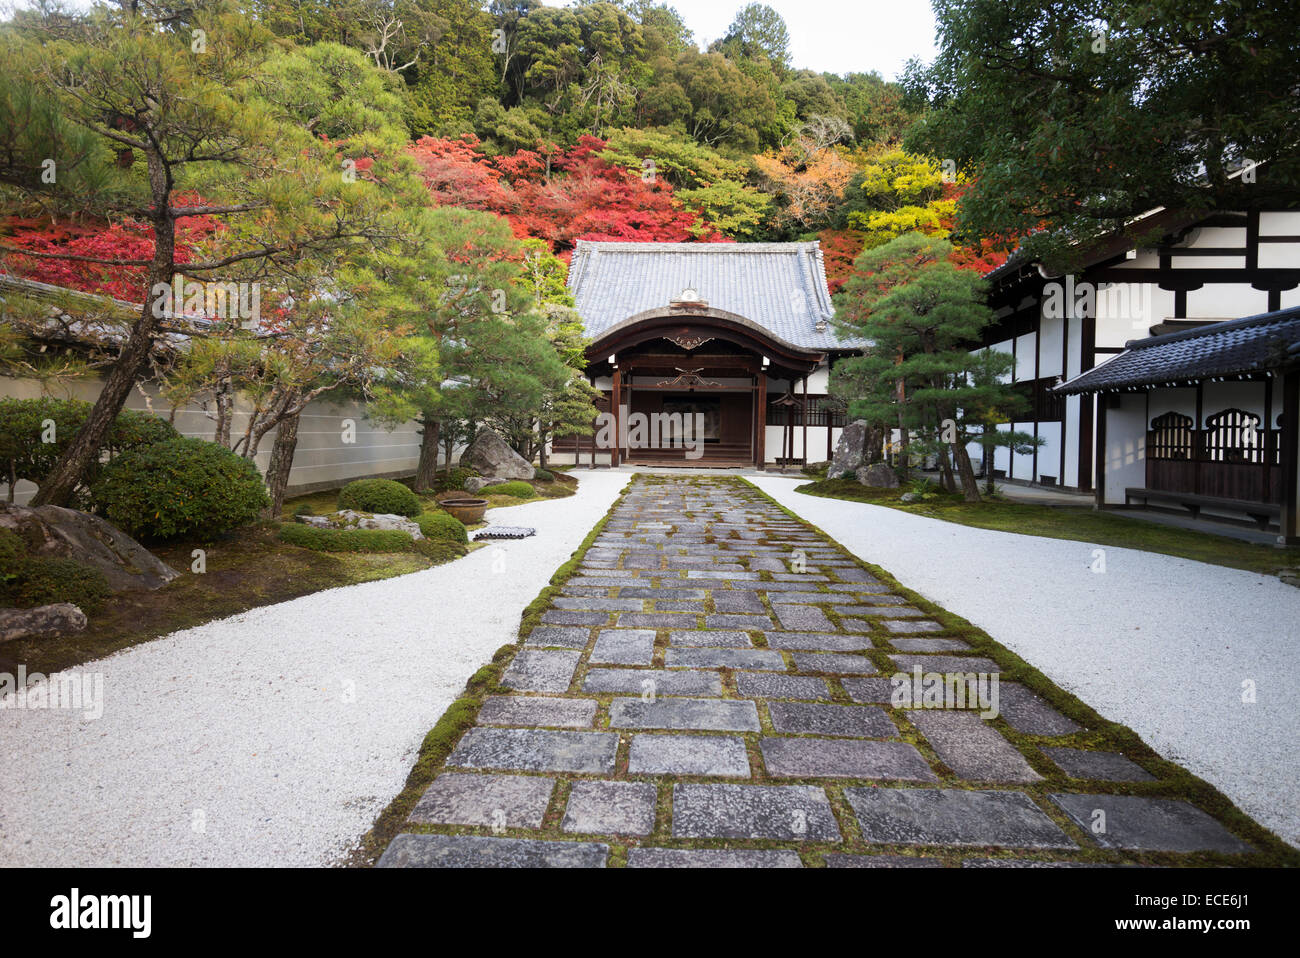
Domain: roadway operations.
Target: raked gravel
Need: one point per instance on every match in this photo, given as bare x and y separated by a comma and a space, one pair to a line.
1157, 643
274, 737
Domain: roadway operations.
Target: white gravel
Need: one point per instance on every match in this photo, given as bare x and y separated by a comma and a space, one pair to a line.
1159, 644
277, 736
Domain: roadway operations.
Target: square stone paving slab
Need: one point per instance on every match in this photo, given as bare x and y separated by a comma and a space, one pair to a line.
715, 715
536, 750
623, 647
1026, 712
541, 670
782, 812
929, 645
768, 685
869, 690
537, 712
803, 618
945, 816
854, 721
720, 755
833, 663
563, 636
707, 658
475, 851
712, 638
657, 681
971, 747
818, 641
1149, 824
1102, 766
945, 663
610, 808
713, 858
843, 860
504, 801
842, 758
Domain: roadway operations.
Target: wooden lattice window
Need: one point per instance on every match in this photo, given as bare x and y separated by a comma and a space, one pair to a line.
1171, 437
1233, 436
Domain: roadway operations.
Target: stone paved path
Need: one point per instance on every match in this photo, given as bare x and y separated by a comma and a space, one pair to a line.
712, 688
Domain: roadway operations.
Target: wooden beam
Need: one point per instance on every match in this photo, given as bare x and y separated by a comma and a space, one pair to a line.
761, 424
805, 420
1099, 483
616, 404
1289, 532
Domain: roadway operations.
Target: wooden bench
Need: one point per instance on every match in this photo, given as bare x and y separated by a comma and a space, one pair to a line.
1260, 512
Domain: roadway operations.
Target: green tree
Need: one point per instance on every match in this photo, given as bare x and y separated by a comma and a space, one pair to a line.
178, 94
922, 315
1080, 115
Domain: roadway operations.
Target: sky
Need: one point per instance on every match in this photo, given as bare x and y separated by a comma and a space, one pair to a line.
832, 36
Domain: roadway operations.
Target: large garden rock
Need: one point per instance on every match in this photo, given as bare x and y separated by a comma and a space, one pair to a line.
490, 455
879, 476
474, 483
350, 519
43, 622
55, 532
858, 445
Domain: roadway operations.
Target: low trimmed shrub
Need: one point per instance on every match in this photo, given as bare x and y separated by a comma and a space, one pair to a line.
544, 475
181, 487
346, 540
518, 489
382, 496
440, 550
442, 525
38, 580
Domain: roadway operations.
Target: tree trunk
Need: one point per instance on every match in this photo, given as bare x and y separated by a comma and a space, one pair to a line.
225, 405
277, 470
61, 483
427, 468
903, 465
969, 487
945, 471
541, 451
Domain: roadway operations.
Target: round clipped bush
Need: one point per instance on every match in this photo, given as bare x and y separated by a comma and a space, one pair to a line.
520, 490
380, 496
442, 525
182, 487
544, 475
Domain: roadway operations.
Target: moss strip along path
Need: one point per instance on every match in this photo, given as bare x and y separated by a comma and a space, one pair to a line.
713, 687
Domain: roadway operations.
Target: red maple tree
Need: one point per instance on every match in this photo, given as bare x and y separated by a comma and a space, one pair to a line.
560, 197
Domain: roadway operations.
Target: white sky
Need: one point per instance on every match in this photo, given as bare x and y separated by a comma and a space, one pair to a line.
833, 36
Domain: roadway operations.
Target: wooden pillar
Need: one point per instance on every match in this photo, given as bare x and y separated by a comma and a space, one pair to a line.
761, 423
1198, 438
805, 420
615, 401
1099, 457
1289, 533
1266, 452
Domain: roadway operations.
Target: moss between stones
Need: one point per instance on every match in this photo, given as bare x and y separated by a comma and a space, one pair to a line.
1173, 781
462, 713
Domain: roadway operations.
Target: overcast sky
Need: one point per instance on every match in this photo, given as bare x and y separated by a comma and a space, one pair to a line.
835, 36
832, 35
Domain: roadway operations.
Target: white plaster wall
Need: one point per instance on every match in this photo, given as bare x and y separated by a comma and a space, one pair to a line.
1125, 450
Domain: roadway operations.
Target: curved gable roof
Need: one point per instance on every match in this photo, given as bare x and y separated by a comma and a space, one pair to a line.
780, 287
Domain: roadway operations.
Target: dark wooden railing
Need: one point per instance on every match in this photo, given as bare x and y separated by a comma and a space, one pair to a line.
1232, 457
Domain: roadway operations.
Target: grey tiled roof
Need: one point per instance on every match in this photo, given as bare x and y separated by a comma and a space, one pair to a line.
1232, 348
779, 286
